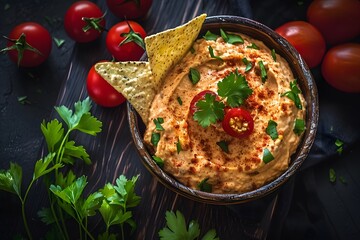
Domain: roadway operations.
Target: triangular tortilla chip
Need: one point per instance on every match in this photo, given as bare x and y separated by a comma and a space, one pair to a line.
133, 80
166, 48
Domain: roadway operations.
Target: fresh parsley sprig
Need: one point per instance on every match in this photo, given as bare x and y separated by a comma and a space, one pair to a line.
209, 111
176, 228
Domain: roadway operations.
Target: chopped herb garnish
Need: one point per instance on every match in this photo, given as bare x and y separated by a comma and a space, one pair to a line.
262, 71
178, 146
158, 161
223, 145
158, 122
192, 50
23, 100
210, 36
267, 156
273, 54
342, 180
205, 186
155, 138
234, 88
59, 42
299, 126
209, 111
248, 64
194, 76
271, 130
231, 38
332, 175
340, 146
211, 51
293, 94
179, 101
254, 46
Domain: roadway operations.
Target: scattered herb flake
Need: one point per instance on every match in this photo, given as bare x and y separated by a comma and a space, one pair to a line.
332, 175
158, 122
253, 46
231, 38
59, 42
299, 126
155, 138
211, 51
267, 156
192, 50
158, 161
178, 146
205, 186
248, 64
293, 94
223, 145
23, 100
234, 88
271, 129
179, 101
340, 146
342, 180
210, 36
273, 54
194, 75
262, 71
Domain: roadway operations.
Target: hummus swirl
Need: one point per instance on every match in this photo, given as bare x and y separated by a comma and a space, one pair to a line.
242, 168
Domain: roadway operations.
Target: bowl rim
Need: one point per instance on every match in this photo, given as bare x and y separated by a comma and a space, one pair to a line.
300, 70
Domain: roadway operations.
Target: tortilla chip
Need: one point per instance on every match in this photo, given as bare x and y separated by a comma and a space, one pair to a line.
133, 80
166, 48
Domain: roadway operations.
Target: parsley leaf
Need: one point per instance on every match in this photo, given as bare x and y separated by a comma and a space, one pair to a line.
231, 38
210, 36
262, 71
271, 129
205, 186
293, 94
234, 88
299, 127
179, 101
273, 54
158, 122
155, 138
194, 75
209, 111
340, 146
176, 228
211, 51
10, 180
59, 42
178, 146
332, 175
253, 46
267, 156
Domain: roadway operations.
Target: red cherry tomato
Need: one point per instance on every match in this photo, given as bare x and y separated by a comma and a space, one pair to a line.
337, 20
84, 21
126, 9
307, 40
31, 40
341, 67
198, 97
101, 92
125, 41
238, 123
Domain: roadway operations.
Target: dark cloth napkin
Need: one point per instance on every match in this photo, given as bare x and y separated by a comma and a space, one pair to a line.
305, 207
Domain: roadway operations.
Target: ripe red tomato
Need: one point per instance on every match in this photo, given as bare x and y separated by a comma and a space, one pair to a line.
84, 21
337, 20
125, 41
129, 9
29, 44
198, 97
307, 40
341, 67
101, 92
238, 123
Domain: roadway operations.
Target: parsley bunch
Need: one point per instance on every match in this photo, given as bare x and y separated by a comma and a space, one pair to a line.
66, 191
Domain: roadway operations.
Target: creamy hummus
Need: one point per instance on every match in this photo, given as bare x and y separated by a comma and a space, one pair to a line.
200, 157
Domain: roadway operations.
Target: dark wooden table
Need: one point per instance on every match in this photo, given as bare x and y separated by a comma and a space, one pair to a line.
308, 206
